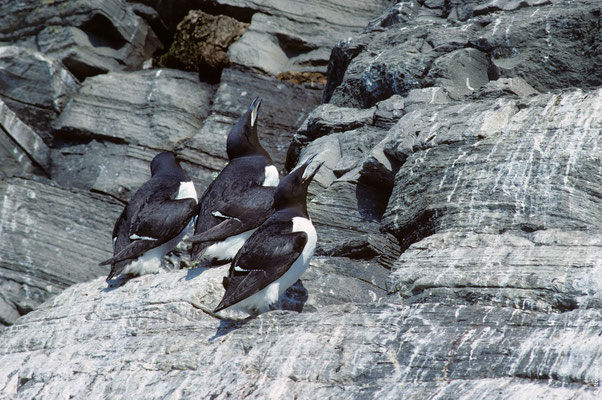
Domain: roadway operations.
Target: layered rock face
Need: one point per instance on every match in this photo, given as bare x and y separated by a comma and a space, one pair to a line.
458, 208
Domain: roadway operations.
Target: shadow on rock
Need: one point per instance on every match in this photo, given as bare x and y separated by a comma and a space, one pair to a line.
116, 283
195, 272
293, 299
228, 325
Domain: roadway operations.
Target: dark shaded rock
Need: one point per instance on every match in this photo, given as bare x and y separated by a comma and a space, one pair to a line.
51, 238
22, 150
155, 108
152, 17
170, 12
119, 121
35, 87
104, 167
424, 51
88, 36
323, 121
201, 44
389, 111
460, 72
347, 218
503, 87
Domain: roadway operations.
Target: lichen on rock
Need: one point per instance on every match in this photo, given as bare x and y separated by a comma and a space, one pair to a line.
201, 43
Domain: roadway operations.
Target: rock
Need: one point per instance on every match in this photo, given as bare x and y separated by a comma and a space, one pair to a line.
201, 44
51, 238
322, 121
119, 121
457, 213
419, 50
461, 72
289, 35
22, 149
88, 36
515, 186
35, 87
548, 270
503, 86
353, 351
303, 78
103, 167
471, 166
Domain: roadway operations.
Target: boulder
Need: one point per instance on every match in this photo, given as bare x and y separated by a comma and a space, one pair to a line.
413, 46
22, 150
89, 36
119, 121
35, 87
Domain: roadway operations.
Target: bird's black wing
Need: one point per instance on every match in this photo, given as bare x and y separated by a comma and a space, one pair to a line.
239, 214
264, 257
240, 175
148, 222
163, 220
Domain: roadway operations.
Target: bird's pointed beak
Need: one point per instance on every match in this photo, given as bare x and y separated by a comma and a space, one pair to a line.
307, 177
254, 108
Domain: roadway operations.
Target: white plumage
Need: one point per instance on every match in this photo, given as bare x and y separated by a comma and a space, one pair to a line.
271, 176
227, 249
150, 262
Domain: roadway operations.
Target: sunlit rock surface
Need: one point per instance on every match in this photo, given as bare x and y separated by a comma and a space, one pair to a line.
457, 209
150, 339
48, 233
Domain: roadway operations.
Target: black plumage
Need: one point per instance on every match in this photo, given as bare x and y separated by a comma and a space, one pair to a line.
274, 249
154, 215
236, 201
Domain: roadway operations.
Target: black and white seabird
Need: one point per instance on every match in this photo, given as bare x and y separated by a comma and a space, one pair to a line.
240, 198
278, 253
155, 219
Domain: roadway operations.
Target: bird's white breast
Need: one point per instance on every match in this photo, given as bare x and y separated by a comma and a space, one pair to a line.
187, 191
150, 261
226, 249
261, 301
271, 176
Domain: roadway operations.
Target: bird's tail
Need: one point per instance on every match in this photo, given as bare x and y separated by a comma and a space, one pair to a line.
133, 250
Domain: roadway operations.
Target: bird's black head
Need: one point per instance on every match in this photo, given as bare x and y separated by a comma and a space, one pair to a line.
292, 189
242, 139
165, 164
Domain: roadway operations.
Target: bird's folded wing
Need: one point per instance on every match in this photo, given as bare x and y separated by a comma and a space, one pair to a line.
162, 220
155, 223
264, 257
253, 204
239, 214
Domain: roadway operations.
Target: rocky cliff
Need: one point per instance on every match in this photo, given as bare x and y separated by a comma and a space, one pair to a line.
458, 210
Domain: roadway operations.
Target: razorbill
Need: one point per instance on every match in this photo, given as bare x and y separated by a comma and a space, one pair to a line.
275, 255
155, 219
240, 198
